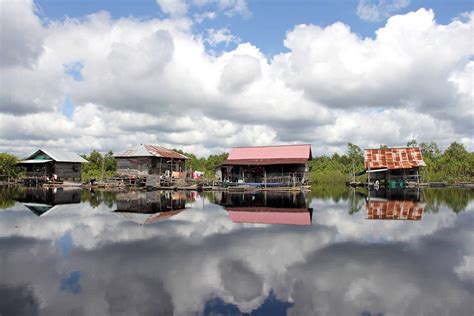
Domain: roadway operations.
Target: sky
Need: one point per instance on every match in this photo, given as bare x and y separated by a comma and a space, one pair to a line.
206, 75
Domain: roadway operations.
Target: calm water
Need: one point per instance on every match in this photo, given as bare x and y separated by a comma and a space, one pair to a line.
332, 251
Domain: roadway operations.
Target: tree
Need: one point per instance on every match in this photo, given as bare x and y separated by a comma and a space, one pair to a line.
8, 166
99, 166
430, 150
355, 154
412, 143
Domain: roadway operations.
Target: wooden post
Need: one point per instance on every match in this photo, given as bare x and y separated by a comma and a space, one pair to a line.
265, 177
368, 176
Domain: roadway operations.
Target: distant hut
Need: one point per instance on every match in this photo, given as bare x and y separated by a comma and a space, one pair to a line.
394, 165
268, 165
144, 160
47, 163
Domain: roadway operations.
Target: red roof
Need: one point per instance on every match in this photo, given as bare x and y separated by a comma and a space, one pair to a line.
266, 155
394, 158
393, 209
267, 215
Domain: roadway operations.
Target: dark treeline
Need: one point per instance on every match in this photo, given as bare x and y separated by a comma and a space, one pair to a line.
451, 165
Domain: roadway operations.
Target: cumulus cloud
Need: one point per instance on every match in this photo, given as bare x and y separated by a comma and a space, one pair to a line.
377, 10
21, 33
223, 35
173, 7
154, 80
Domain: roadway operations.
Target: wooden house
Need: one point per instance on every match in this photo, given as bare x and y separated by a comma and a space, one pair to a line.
145, 160
394, 165
394, 204
281, 165
40, 200
150, 207
47, 163
266, 207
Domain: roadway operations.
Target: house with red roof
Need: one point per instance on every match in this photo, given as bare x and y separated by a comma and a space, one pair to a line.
291, 208
280, 165
393, 165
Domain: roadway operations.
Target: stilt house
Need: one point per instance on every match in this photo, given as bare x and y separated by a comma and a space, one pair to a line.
266, 207
48, 162
144, 160
394, 165
269, 165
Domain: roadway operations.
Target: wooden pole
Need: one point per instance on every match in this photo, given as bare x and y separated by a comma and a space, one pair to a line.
265, 177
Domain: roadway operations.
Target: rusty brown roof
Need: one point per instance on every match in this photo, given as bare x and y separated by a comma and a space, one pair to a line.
394, 158
393, 209
150, 151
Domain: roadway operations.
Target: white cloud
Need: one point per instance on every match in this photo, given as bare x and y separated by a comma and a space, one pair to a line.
201, 17
173, 7
21, 33
154, 81
218, 36
377, 10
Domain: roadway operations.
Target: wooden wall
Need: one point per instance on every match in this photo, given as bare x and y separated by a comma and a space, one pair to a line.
143, 166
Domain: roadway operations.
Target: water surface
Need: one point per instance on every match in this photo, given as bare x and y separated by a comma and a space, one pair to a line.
331, 251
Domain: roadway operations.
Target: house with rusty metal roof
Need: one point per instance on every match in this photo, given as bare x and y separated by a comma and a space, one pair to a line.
145, 160
282, 165
46, 163
150, 207
394, 204
394, 166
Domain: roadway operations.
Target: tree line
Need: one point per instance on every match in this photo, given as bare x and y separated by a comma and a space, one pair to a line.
451, 165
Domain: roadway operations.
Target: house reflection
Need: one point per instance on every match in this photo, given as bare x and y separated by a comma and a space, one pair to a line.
42, 200
266, 207
395, 204
150, 207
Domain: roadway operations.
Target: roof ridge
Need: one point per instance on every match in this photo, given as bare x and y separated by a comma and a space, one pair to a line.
263, 146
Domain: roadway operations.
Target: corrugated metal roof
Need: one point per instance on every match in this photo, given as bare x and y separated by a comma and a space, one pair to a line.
394, 158
393, 210
59, 155
266, 154
150, 151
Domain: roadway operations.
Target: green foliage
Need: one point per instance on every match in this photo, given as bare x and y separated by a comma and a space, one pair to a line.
97, 197
455, 199
337, 168
8, 195
455, 164
207, 165
98, 166
8, 166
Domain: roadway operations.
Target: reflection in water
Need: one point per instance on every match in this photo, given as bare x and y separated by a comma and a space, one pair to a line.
267, 207
40, 201
394, 204
86, 260
150, 207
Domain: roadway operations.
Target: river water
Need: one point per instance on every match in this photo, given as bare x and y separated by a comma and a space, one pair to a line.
331, 251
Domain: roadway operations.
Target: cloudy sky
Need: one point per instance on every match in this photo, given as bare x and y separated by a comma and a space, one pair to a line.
206, 75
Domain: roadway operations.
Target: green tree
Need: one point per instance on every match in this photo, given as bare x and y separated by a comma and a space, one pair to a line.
412, 143
99, 166
8, 166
